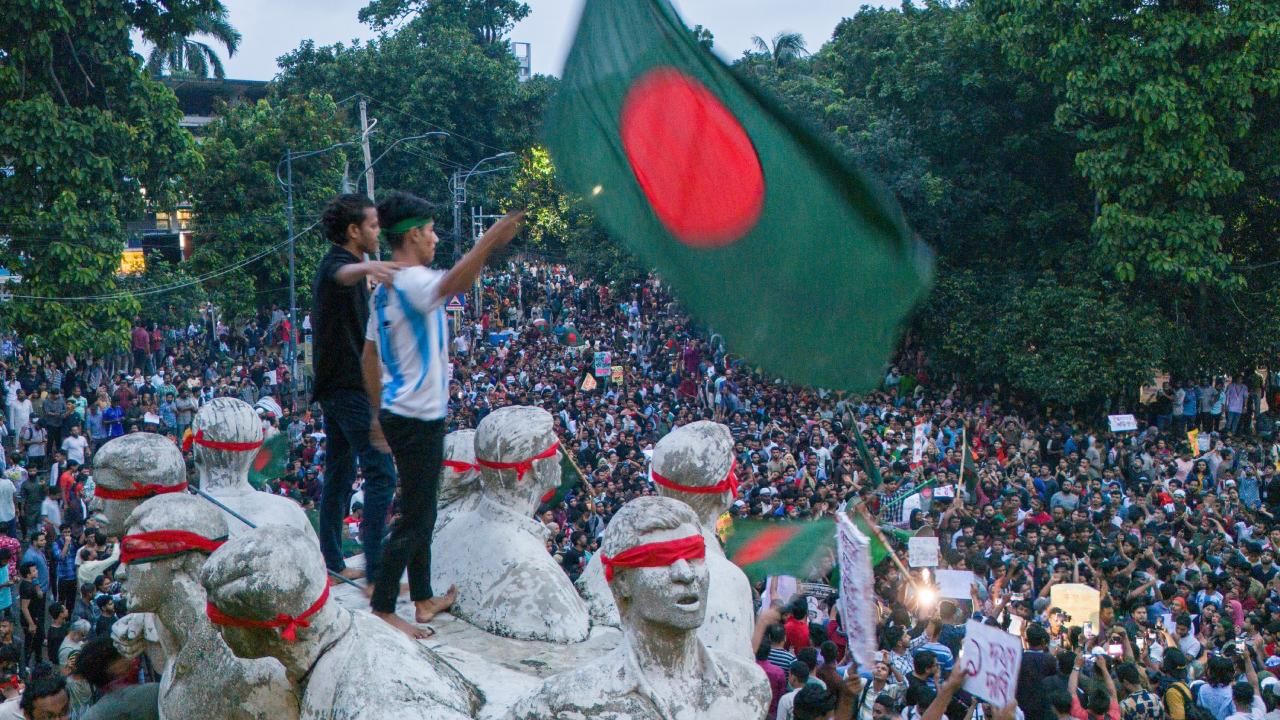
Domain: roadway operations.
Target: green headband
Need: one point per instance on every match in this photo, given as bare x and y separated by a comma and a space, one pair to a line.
407, 224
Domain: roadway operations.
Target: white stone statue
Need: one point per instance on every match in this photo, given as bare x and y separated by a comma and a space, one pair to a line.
226, 436
166, 542
661, 670
495, 552
459, 484
268, 596
131, 469
694, 464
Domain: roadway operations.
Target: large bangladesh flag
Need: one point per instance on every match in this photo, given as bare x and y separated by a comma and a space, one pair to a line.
761, 229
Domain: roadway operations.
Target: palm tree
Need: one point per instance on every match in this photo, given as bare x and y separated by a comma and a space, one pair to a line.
786, 46
181, 55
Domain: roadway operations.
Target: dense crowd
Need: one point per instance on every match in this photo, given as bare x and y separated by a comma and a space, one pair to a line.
1178, 538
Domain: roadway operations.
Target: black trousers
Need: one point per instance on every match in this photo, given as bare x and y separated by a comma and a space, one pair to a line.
418, 449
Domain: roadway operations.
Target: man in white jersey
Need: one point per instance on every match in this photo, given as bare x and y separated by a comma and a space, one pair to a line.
406, 374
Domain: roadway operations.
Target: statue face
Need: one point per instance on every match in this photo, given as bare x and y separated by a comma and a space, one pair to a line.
674, 596
114, 513
245, 642
150, 583
546, 474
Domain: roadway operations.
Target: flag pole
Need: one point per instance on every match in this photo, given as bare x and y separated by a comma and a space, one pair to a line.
222, 506
875, 528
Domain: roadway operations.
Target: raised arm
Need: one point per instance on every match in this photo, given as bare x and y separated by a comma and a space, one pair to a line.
463, 275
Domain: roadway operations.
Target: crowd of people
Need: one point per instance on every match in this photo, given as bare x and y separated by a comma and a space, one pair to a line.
1179, 538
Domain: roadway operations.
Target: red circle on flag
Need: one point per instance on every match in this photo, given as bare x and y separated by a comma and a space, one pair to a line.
692, 158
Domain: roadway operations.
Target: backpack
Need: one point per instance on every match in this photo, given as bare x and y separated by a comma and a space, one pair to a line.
1191, 709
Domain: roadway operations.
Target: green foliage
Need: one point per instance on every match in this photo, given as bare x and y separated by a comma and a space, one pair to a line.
179, 303
1060, 343
240, 205
488, 20
431, 74
1160, 95
1000, 123
180, 55
82, 132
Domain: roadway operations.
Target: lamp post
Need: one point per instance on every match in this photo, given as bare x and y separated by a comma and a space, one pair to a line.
459, 185
287, 184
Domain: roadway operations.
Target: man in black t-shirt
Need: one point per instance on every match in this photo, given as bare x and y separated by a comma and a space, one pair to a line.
341, 312
32, 601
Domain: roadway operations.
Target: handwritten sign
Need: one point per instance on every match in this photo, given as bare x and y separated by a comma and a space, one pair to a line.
1079, 601
923, 552
617, 374
1122, 423
603, 363
954, 584
990, 660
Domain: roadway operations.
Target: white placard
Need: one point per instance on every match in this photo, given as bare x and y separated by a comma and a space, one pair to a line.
911, 502
990, 659
944, 491
1122, 423
1078, 600
151, 419
923, 552
954, 584
1017, 625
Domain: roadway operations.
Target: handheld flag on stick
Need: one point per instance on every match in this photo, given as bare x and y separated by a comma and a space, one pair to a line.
270, 462
570, 477
734, 202
799, 549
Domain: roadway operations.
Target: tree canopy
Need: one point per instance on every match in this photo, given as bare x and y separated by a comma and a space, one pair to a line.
86, 139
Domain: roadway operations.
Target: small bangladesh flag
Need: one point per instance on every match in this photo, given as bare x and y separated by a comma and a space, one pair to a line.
570, 478
761, 229
801, 549
270, 462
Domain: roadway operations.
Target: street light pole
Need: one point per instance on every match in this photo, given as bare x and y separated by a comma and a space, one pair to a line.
459, 186
293, 287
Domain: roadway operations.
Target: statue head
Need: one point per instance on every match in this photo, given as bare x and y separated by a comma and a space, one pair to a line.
226, 435
267, 591
167, 537
654, 559
517, 450
693, 464
456, 480
130, 469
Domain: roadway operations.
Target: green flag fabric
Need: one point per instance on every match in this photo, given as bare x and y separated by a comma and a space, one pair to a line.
879, 552
569, 479
761, 229
801, 549
270, 462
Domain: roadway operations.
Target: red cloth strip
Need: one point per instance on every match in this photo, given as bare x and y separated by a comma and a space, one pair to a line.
198, 439
523, 466
659, 554
460, 467
160, 543
287, 624
137, 492
728, 484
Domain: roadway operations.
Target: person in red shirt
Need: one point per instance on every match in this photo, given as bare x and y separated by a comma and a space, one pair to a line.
67, 481
797, 626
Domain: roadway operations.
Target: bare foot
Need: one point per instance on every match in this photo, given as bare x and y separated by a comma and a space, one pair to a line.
426, 610
403, 626
352, 573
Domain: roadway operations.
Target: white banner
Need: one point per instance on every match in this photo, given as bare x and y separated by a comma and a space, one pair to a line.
1122, 423
857, 586
919, 443
922, 552
991, 659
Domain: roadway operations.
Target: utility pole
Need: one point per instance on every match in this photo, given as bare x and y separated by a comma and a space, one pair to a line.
368, 156
293, 285
459, 197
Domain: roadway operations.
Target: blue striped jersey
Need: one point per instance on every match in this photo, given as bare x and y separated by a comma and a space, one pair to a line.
407, 323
